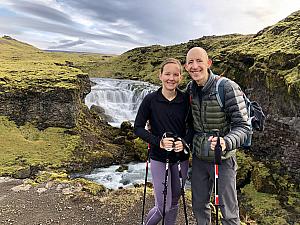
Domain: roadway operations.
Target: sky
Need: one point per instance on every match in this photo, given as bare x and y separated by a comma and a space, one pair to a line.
115, 26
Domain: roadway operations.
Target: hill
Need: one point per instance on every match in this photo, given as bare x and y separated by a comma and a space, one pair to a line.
44, 122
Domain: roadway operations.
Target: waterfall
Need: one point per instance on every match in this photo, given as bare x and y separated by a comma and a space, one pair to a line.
120, 99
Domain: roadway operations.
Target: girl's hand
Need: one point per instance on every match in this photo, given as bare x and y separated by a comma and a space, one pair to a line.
166, 143
178, 146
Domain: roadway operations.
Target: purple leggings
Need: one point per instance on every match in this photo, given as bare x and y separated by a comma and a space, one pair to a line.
173, 194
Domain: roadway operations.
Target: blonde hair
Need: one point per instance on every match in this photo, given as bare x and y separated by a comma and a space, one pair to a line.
170, 60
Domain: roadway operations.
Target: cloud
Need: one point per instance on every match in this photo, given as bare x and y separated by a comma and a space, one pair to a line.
42, 11
67, 44
118, 25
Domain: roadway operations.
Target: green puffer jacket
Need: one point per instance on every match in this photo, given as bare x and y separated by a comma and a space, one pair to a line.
208, 115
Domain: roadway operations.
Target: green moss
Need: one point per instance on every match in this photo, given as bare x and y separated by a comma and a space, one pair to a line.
292, 79
141, 149
262, 178
244, 167
46, 176
265, 208
27, 146
62, 177
90, 186
101, 155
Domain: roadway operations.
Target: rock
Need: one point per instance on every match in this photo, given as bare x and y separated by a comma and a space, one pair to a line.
58, 108
119, 140
41, 190
101, 112
126, 126
22, 187
122, 168
22, 173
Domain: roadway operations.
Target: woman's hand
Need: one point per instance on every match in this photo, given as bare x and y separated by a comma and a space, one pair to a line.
178, 146
167, 143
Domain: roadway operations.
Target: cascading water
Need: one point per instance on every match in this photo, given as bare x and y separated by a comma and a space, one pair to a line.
112, 179
119, 98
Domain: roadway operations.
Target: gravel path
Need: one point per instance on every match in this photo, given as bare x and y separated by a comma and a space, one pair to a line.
53, 203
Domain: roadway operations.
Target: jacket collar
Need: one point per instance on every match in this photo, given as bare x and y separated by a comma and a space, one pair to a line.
209, 82
178, 99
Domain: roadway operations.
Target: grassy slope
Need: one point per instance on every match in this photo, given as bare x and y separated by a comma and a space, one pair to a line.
143, 63
24, 67
27, 146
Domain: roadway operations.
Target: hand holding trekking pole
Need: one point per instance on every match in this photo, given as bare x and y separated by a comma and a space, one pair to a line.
167, 143
217, 146
172, 142
213, 142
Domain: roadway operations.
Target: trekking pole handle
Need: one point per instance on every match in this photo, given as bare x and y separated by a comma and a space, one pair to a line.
218, 147
186, 147
168, 135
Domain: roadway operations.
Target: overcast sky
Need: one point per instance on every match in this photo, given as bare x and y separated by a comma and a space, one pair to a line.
115, 26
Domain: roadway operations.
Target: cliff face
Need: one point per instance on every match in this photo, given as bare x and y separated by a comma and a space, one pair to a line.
43, 92
57, 107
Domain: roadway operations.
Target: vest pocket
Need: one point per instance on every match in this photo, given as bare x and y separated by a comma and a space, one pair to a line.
201, 146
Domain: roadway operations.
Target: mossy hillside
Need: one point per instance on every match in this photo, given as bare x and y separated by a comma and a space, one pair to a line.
143, 63
25, 150
28, 147
24, 67
270, 56
45, 89
267, 193
275, 51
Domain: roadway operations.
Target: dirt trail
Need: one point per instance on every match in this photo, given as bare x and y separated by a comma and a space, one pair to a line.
53, 203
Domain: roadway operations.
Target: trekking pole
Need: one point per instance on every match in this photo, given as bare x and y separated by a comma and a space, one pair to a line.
182, 193
145, 186
218, 161
185, 146
165, 192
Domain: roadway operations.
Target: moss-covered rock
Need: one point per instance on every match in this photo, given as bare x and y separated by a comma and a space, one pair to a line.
141, 150
264, 208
